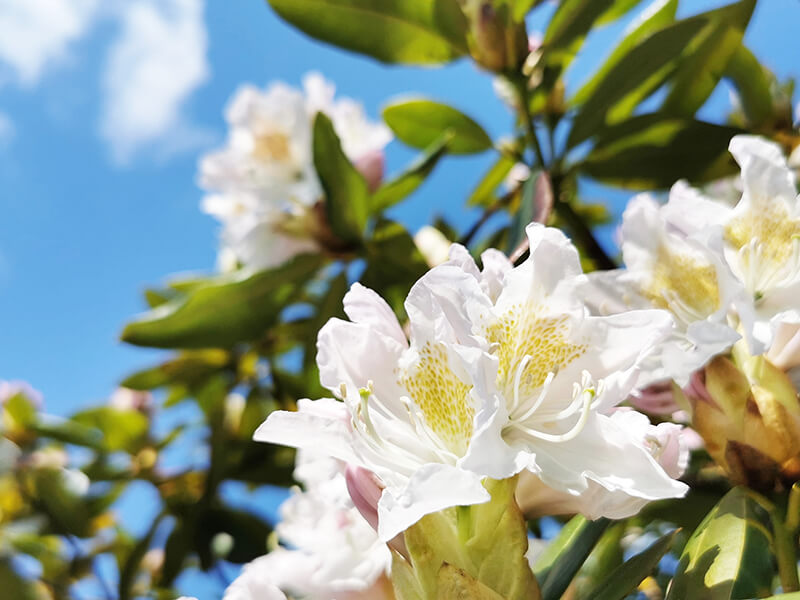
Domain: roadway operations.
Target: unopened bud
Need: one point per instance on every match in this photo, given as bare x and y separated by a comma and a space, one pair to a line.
497, 42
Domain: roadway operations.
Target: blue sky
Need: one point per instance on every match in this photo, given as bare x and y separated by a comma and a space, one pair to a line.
104, 112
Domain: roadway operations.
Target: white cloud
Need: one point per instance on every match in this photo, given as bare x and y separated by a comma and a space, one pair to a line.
153, 67
37, 33
7, 129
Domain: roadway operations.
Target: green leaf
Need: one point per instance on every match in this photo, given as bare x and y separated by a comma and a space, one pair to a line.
625, 578
393, 31
346, 190
483, 194
619, 9
633, 72
752, 85
520, 8
188, 367
421, 123
729, 554
660, 14
55, 496
21, 409
226, 310
650, 151
122, 429
565, 555
70, 432
703, 67
394, 190
524, 214
571, 22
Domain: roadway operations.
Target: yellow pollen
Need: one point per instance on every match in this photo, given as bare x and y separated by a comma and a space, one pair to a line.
272, 147
521, 333
771, 224
692, 281
442, 397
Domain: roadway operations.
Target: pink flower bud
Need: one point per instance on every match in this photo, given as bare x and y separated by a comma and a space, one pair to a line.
656, 399
371, 166
365, 489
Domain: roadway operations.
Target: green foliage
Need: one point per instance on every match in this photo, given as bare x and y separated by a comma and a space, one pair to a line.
393, 31
728, 556
420, 123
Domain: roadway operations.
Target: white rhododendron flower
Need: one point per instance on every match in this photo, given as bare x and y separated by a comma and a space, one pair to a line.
330, 550
504, 371
760, 237
666, 442
264, 188
676, 272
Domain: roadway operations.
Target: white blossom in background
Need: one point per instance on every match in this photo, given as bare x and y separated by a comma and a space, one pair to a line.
504, 371
329, 551
263, 186
433, 245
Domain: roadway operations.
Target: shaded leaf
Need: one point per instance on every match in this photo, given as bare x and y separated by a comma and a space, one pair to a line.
625, 578
392, 31
649, 151
571, 22
729, 554
225, 310
421, 123
346, 190
565, 555
188, 367
121, 429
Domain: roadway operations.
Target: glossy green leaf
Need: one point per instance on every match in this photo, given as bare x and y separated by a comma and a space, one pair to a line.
634, 70
484, 192
346, 191
650, 151
400, 187
70, 432
729, 554
565, 555
625, 578
703, 67
421, 123
619, 9
752, 85
657, 16
226, 310
392, 31
122, 429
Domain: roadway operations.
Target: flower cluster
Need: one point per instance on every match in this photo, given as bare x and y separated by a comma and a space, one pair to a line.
264, 188
504, 371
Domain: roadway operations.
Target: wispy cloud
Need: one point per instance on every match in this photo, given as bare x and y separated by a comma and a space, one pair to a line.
37, 33
152, 69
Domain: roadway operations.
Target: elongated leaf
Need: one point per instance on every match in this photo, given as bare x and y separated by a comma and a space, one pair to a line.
226, 310
649, 151
562, 558
483, 194
657, 16
702, 69
421, 123
728, 556
187, 368
395, 190
393, 31
620, 8
633, 70
525, 214
571, 22
122, 429
752, 85
625, 578
520, 8
346, 190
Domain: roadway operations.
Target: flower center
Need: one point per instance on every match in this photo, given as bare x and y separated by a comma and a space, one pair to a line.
767, 240
441, 396
683, 284
272, 147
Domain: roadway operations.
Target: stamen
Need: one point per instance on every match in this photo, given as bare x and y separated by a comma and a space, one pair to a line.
540, 399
